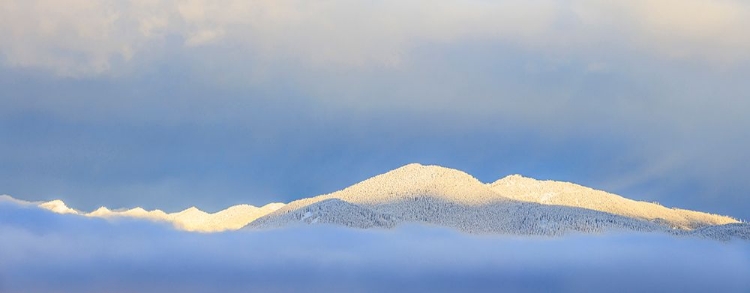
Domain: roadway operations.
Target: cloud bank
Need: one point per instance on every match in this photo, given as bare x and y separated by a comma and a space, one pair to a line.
45, 252
91, 37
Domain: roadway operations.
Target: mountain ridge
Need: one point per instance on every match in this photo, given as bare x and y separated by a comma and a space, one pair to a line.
442, 196
449, 197
191, 219
553, 192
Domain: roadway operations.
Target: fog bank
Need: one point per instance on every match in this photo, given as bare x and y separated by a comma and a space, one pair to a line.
46, 252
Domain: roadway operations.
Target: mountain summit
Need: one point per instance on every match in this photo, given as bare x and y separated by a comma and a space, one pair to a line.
512, 205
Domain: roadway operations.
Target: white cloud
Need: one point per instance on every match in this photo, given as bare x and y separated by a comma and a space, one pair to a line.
84, 36
79, 37
203, 37
710, 31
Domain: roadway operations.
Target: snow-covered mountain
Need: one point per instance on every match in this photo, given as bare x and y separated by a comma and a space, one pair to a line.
435, 195
512, 205
191, 219
550, 192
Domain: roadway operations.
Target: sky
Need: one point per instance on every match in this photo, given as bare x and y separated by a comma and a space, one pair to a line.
171, 104
47, 252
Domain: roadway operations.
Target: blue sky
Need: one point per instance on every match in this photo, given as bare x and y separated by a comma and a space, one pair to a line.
169, 104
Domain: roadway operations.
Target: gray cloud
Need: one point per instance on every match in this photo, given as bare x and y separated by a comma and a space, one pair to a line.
45, 252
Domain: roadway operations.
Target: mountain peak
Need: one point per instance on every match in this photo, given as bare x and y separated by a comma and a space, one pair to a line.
139, 210
408, 182
415, 191
417, 167
514, 179
192, 211
58, 206
101, 212
419, 172
411, 165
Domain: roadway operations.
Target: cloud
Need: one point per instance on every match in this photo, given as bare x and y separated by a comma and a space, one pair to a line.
203, 37
68, 38
45, 252
85, 37
537, 62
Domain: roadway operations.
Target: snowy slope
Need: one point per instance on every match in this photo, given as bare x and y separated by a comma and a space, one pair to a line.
513, 205
191, 219
441, 196
573, 195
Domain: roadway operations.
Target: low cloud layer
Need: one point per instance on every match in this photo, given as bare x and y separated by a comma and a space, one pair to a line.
44, 252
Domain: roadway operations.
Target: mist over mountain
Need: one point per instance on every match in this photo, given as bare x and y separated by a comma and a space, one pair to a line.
42, 251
